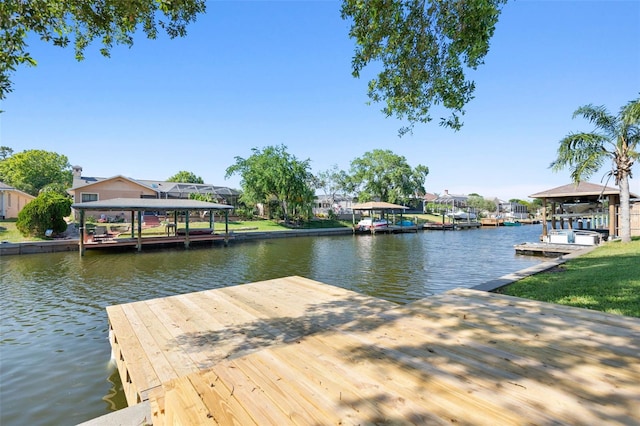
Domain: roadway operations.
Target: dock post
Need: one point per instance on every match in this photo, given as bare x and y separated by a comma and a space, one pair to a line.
226, 227
186, 226
139, 247
81, 243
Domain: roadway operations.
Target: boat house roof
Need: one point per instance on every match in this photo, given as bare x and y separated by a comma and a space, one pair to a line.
149, 204
583, 190
378, 205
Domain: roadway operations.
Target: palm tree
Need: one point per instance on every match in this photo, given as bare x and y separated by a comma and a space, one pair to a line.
615, 137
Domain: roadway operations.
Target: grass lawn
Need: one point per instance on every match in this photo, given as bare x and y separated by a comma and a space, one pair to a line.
606, 279
8, 231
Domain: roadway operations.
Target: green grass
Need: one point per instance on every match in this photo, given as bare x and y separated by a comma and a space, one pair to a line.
606, 279
8, 231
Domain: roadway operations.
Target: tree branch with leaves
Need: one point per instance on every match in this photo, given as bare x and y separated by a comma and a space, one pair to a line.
423, 49
80, 22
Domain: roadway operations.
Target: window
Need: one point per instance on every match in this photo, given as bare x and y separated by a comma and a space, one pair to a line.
89, 197
9, 199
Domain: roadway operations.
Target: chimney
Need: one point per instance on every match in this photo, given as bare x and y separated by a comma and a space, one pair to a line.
446, 191
77, 171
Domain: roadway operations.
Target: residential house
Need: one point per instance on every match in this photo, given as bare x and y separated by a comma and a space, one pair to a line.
455, 201
12, 200
339, 204
85, 188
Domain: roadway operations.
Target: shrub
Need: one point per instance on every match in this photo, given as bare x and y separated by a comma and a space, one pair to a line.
47, 211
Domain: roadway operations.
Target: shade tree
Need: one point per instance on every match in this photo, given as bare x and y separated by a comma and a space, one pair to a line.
184, 176
271, 173
385, 176
34, 169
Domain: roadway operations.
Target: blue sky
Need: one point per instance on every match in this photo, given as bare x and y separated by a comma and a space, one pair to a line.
258, 73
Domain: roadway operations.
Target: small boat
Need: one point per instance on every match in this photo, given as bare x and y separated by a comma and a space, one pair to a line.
511, 223
579, 207
462, 215
405, 222
367, 224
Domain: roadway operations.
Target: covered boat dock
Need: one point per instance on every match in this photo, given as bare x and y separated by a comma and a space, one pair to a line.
139, 205
384, 208
586, 207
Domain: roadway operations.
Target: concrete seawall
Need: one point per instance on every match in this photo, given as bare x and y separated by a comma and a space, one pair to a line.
33, 247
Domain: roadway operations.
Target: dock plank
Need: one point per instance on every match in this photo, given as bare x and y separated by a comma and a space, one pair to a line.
295, 351
170, 337
463, 357
136, 373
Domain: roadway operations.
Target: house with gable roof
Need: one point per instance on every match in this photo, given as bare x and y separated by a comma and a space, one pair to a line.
12, 200
85, 189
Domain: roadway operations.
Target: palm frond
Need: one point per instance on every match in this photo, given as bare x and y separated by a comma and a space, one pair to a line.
584, 153
630, 113
599, 116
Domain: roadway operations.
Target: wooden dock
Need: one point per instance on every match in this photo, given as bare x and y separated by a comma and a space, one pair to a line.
158, 340
160, 241
390, 229
458, 225
548, 249
436, 226
294, 351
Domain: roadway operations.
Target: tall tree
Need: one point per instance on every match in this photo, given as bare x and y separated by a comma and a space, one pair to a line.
32, 170
332, 182
479, 202
5, 152
185, 177
423, 49
273, 173
387, 176
616, 138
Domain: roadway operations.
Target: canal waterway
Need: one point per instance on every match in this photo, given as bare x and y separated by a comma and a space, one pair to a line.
54, 349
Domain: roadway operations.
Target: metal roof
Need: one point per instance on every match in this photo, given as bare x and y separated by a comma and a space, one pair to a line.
378, 205
582, 189
174, 189
149, 204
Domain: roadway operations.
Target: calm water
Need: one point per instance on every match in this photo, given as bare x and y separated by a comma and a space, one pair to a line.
54, 349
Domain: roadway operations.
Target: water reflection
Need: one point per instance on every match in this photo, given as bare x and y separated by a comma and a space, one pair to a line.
54, 342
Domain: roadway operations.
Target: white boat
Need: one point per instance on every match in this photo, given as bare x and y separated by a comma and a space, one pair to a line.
367, 224
462, 215
579, 207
